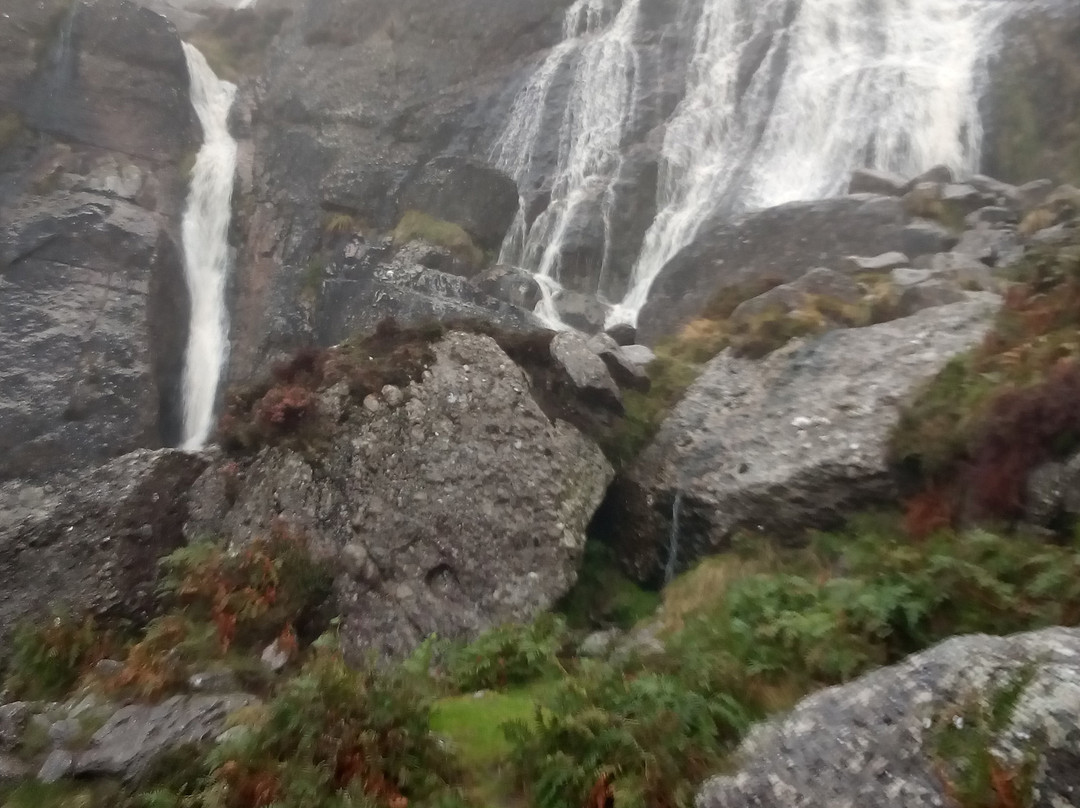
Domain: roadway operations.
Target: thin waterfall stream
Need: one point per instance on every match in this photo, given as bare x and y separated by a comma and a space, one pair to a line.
206, 248
673, 543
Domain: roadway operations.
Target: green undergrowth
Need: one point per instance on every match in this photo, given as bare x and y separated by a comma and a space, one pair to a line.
515, 718
604, 597
968, 441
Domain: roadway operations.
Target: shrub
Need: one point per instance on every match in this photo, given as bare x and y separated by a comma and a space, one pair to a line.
339, 737
991, 416
603, 596
508, 655
646, 741
261, 591
47, 661
283, 408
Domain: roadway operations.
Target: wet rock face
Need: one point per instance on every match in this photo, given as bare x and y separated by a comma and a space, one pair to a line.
93, 304
871, 743
787, 442
374, 108
450, 506
91, 542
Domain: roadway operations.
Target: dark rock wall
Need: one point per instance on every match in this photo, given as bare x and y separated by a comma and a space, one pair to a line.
96, 134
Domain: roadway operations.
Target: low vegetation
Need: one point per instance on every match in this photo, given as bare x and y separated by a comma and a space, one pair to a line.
235, 41
515, 717
968, 442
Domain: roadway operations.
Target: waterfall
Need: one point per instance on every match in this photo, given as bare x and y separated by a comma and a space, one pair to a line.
673, 543
782, 100
891, 85
206, 248
598, 47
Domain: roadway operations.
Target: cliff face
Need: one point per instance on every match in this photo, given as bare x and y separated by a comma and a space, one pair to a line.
95, 131
358, 98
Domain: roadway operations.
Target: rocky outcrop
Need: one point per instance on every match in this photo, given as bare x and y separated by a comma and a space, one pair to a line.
374, 281
447, 507
91, 542
93, 309
371, 109
784, 443
872, 743
779, 244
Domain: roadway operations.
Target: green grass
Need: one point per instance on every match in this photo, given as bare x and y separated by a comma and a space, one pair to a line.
32, 794
605, 597
473, 724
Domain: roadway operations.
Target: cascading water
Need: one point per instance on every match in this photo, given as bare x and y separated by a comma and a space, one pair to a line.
892, 85
598, 48
206, 248
782, 100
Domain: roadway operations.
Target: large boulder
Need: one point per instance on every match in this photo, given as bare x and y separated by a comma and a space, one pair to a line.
779, 244
91, 543
873, 743
784, 443
450, 506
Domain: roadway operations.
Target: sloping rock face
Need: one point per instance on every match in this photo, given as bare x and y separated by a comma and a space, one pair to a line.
870, 744
778, 244
448, 507
90, 543
783, 443
372, 108
94, 125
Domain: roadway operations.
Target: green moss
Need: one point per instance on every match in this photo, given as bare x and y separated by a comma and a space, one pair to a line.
11, 129
415, 225
314, 275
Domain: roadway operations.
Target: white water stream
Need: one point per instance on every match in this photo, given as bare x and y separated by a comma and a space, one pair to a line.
833, 85
206, 248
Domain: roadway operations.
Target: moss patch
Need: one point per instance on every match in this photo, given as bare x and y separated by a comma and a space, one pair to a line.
415, 225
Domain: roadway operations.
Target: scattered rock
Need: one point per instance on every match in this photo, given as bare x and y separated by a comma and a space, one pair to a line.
870, 743
131, 739
599, 644
940, 175
870, 181
59, 764
885, 262
11, 768
623, 333
213, 682
64, 732
1034, 193
587, 373
13, 719
516, 286
639, 354
274, 657
927, 295
925, 237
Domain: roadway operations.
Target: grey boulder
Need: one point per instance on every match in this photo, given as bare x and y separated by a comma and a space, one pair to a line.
871, 743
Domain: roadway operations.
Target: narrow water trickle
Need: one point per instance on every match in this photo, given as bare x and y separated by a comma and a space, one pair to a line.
673, 541
206, 248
